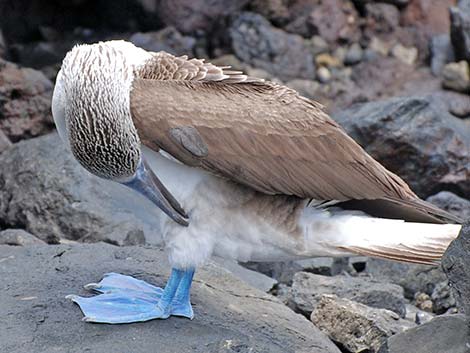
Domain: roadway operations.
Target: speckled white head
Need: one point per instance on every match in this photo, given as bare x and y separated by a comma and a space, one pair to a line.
91, 107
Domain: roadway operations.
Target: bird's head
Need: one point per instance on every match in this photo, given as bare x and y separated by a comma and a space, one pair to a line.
91, 109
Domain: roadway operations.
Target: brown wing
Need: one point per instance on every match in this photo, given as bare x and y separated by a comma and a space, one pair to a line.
262, 135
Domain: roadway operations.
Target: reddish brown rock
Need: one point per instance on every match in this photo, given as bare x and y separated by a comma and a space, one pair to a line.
333, 20
431, 16
25, 102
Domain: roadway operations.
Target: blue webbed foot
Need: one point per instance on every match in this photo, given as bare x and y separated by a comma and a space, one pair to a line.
125, 299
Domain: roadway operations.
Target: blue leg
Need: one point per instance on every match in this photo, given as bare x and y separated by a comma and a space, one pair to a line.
124, 299
181, 304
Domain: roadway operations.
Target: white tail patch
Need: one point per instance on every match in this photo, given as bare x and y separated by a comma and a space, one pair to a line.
339, 233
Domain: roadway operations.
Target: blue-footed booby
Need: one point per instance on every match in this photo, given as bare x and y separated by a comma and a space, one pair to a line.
242, 168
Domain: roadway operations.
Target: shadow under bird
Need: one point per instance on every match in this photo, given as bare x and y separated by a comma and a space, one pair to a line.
241, 168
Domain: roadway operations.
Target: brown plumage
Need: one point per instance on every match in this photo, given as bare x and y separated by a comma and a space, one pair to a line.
265, 136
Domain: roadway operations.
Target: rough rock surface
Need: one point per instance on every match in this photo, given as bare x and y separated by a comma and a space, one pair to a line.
308, 289
444, 334
167, 39
413, 278
355, 326
25, 102
460, 29
193, 15
45, 191
4, 142
259, 44
456, 265
415, 139
456, 76
451, 203
18, 237
229, 315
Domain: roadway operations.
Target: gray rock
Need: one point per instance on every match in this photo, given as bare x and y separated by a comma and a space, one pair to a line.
4, 142
413, 278
452, 203
416, 315
167, 39
382, 18
230, 316
46, 192
306, 88
441, 52
308, 289
444, 334
18, 237
190, 16
442, 298
25, 102
357, 327
353, 55
261, 45
456, 76
419, 141
284, 271
253, 278
460, 29
455, 263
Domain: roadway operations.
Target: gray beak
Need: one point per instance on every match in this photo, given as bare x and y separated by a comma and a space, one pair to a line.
147, 183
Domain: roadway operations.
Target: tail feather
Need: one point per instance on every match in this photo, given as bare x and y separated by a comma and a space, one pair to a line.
339, 233
421, 243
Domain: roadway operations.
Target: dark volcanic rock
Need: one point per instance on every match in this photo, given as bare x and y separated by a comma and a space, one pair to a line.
413, 278
441, 52
460, 29
456, 264
381, 18
167, 39
25, 102
189, 16
308, 289
451, 203
425, 145
259, 44
443, 334
229, 315
45, 191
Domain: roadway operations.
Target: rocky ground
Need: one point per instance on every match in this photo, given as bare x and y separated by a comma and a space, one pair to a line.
394, 73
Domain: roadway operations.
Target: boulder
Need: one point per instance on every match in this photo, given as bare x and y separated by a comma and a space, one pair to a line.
356, 327
25, 102
190, 16
441, 53
460, 29
259, 44
18, 237
452, 203
413, 278
230, 316
4, 142
46, 192
443, 334
167, 39
415, 138
456, 265
308, 289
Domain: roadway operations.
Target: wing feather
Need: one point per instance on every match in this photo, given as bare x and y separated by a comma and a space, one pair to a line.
257, 133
